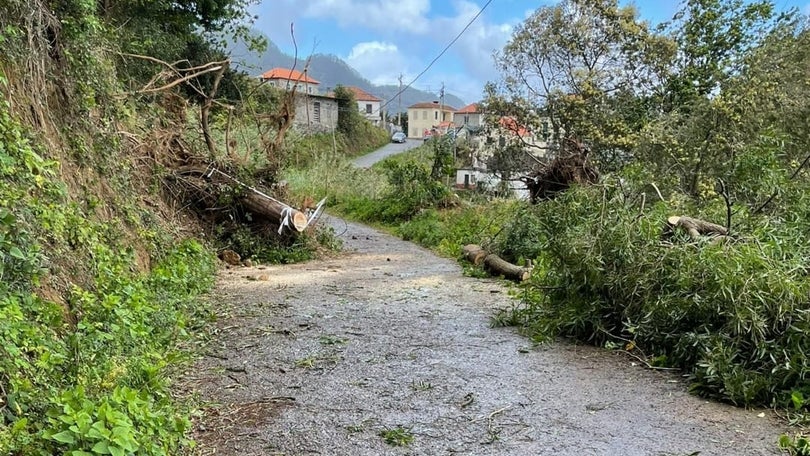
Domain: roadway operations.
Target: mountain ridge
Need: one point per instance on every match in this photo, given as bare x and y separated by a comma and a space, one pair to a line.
330, 70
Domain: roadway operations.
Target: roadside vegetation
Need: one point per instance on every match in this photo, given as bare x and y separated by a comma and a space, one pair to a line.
705, 117
106, 252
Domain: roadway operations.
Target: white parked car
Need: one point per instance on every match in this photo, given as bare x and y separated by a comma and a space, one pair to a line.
399, 137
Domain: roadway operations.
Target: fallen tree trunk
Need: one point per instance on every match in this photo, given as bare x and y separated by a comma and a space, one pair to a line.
275, 211
476, 255
212, 182
695, 227
502, 267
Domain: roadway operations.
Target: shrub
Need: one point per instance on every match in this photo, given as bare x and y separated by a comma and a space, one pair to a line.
733, 314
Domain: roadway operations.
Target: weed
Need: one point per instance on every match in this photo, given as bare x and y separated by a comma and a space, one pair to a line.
332, 340
421, 385
798, 445
306, 363
397, 436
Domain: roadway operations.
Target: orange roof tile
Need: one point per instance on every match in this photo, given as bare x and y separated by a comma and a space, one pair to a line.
511, 125
362, 95
471, 108
289, 75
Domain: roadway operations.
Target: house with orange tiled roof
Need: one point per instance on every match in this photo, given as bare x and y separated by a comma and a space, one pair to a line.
470, 115
427, 118
367, 104
287, 78
314, 112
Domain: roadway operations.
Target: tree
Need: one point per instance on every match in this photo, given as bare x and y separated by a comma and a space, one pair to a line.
443, 160
583, 65
349, 118
721, 101
712, 36
403, 119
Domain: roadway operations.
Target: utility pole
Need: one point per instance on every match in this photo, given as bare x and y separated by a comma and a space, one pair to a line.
399, 110
441, 105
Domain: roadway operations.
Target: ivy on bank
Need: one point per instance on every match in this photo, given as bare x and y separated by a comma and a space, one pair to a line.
89, 376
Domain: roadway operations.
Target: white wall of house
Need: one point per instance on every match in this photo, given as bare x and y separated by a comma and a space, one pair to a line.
473, 119
370, 110
300, 87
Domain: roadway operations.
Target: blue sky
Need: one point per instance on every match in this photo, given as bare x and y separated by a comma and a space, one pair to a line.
385, 38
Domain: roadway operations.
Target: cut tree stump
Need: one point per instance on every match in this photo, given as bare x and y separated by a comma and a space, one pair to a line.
498, 266
695, 227
475, 254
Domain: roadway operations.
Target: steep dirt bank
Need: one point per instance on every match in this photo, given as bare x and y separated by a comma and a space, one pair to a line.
323, 357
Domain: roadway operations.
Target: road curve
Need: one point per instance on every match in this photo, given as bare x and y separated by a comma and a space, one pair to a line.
366, 161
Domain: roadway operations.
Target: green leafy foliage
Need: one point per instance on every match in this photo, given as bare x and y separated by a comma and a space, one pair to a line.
397, 436
795, 446
730, 313
87, 376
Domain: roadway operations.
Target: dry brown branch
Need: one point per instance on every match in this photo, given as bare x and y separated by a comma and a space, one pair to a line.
549, 180
205, 110
181, 80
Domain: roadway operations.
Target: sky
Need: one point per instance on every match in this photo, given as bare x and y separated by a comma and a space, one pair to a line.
383, 39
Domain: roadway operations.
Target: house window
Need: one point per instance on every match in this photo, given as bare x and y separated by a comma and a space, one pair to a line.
316, 108
424, 115
368, 108
466, 120
435, 115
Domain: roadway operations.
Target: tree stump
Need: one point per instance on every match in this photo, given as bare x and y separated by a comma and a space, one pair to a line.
694, 227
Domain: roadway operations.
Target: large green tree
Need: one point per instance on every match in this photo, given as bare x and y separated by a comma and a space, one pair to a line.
584, 66
730, 98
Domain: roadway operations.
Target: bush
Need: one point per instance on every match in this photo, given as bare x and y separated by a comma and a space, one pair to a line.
733, 314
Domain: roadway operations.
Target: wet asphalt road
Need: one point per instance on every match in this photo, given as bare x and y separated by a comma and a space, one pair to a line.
331, 356
386, 151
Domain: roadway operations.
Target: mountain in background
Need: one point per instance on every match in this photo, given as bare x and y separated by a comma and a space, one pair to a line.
331, 71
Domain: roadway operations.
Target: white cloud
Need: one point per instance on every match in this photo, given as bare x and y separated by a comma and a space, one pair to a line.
379, 62
806, 9
383, 15
476, 45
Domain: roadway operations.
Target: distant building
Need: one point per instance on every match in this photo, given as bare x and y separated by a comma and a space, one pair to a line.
286, 79
423, 118
315, 113
469, 115
367, 104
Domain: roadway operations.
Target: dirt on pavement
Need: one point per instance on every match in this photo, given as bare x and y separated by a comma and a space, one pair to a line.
387, 340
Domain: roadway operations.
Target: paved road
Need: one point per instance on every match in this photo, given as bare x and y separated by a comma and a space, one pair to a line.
386, 151
330, 357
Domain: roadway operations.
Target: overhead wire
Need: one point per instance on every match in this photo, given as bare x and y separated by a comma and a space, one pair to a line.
446, 48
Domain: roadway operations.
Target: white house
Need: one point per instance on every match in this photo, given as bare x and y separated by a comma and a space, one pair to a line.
469, 116
367, 104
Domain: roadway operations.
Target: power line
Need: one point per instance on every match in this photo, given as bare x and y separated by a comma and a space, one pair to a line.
441, 53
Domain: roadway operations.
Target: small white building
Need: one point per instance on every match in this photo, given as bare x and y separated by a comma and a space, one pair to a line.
367, 104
